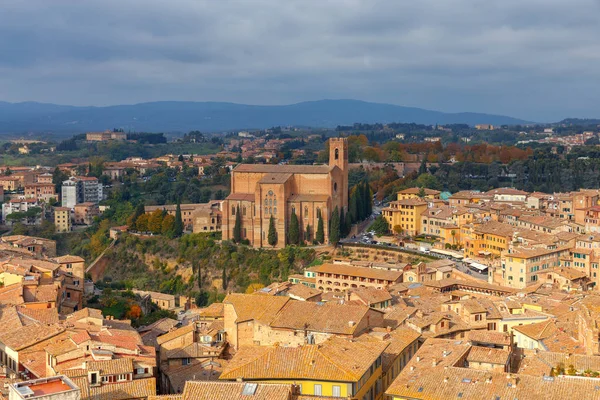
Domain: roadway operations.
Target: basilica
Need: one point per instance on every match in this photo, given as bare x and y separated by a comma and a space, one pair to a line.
260, 191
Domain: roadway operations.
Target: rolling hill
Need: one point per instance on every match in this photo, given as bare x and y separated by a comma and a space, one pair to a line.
173, 116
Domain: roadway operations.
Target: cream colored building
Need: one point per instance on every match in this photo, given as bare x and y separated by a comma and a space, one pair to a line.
62, 219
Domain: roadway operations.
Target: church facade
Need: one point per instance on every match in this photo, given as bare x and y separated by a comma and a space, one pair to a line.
260, 191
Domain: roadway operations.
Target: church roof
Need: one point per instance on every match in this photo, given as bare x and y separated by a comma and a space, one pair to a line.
275, 178
283, 169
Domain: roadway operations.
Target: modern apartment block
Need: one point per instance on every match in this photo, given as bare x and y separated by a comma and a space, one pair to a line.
81, 189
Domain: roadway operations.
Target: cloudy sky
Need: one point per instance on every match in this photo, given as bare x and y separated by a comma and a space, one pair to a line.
533, 59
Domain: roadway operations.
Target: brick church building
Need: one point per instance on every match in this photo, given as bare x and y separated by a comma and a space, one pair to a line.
262, 190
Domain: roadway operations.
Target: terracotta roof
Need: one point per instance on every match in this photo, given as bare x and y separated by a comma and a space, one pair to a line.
12, 294
215, 310
40, 294
334, 360
342, 319
488, 355
29, 335
137, 388
68, 259
350, 270
111, 367
235, 391
285, 169
541, 362
275, 177
175, 334
455, 383
205, 370
398, 339
151, 332
489, 337
410, 202
371, 295
261, 308
416, 190
241, 196
303, 291
45, 316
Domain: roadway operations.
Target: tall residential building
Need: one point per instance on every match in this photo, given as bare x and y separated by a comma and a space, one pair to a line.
81, 189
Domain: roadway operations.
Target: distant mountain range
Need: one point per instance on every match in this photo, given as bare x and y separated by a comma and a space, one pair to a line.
183, 116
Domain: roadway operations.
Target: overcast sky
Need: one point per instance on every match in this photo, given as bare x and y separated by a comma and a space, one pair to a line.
534, 59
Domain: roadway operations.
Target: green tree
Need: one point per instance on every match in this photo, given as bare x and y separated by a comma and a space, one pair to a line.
380, 226
178, 222
294, 231
272, 236
320, 235
334, 227
353, 207
237, 227
224, 277
307, 233
421, 194
368, 200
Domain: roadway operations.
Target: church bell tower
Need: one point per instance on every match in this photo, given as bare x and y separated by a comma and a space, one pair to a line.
338, 157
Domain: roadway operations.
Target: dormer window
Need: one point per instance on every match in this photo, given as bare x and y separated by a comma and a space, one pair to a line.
94, 378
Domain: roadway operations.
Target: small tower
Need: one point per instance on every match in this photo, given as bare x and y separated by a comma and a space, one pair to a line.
338, 157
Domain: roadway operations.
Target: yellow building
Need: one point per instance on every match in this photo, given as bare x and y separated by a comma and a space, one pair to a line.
62, 219
488, 240
406, 214
337, 367
413, 193
521, 266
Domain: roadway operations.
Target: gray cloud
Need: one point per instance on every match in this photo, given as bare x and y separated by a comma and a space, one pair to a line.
534, 59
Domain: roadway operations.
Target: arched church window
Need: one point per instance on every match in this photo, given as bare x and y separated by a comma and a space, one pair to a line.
270, 202
335, 187
232, 210
244, 211
275, 202
266, 210
266, 202
337, 154
305, 212
293, 210
270, 210
274, 210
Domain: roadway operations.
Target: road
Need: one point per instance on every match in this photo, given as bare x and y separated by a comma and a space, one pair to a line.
364, 238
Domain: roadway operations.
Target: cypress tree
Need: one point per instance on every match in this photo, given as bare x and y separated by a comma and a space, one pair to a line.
178, 225
272, 237
237, 227
360, 209
369, 200
320, 236
353, 208
348, 226
342, 223
307, 233
334, 227
224, 277
294, 232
